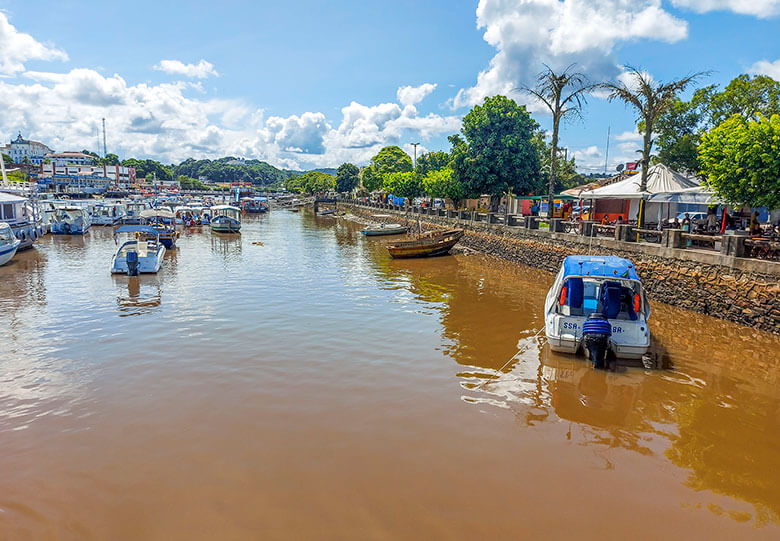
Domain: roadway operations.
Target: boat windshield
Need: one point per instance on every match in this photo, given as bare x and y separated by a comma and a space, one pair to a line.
6, 233
585, 295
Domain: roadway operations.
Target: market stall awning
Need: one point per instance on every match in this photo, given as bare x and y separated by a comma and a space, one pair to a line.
660, 180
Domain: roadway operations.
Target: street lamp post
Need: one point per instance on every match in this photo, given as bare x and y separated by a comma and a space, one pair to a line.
415, 145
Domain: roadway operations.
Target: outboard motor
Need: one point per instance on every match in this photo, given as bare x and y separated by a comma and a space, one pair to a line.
132, 263
596, 333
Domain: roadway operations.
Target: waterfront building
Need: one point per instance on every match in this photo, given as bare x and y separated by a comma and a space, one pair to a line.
84, 178
70, 158
21, 148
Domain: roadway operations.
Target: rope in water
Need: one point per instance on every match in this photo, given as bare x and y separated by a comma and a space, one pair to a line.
512, 358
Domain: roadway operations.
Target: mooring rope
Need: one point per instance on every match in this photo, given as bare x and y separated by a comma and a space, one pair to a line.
512, 358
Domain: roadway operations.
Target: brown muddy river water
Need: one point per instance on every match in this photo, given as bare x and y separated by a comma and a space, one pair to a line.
312, 388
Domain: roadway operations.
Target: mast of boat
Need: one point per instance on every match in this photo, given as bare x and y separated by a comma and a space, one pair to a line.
2, 166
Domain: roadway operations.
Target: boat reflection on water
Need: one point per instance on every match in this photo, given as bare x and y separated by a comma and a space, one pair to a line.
226, 244
138, 295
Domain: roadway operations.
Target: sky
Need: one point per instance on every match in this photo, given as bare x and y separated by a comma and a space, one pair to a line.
308, 84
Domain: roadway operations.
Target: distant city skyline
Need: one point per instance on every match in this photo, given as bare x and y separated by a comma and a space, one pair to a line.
306, 85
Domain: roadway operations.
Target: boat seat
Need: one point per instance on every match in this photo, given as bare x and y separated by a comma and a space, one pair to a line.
610, 297
575, 291
142, 247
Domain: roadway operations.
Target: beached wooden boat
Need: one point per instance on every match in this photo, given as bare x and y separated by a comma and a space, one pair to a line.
384, 229
430, 244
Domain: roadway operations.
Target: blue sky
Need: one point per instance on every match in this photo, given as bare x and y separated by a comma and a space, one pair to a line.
312, 84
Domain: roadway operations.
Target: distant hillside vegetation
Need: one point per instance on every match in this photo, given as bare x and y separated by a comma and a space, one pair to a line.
230, 169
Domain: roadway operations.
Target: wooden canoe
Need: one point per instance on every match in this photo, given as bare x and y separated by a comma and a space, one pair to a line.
385, 229
431, 244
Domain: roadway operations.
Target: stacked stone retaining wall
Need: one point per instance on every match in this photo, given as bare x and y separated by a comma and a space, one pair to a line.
743, 291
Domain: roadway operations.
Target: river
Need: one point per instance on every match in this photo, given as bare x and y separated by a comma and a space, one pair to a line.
311, 387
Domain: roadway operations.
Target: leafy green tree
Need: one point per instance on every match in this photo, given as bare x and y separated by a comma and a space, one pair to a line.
110, 159
566, 169
347, 177
295, 184
679, 133
188, 183
441, 183
402, 184
392, 160
564, 95
371, 179
311, 183
498, 154
26, 160
7, 159
431, 161
748, 97
740, 160
651, 99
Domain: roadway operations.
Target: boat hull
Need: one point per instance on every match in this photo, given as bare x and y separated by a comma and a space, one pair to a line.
384, 231
434, 245
7, 252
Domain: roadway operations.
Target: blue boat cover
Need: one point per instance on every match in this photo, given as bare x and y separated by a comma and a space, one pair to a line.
136, 228
603, 266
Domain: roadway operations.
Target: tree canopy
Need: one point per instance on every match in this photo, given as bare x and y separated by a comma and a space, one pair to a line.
740, 160
388, 160
402, 184
441, 183
496, 153
431, 161
347, 177
311, 183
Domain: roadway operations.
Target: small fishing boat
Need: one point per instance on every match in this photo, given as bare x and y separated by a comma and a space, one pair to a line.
164, 222
384, 229
70, 220
597, 306
226, 219
326, 212
138, 255
429, 244
133, 209
107, 213
8, 243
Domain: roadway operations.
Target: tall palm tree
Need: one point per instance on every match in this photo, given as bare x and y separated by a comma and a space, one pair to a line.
651, 100
564, 94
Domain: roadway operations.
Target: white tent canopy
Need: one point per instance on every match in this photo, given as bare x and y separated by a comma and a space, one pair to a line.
699, 195
660, 180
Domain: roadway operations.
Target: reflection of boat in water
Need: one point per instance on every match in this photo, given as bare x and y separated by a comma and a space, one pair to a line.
137, 256
597, 305
8, 243
429, 244
143, 294
226, 219
384, 229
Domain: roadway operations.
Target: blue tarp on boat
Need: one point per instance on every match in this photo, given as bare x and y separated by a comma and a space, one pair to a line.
605, 266
137, 228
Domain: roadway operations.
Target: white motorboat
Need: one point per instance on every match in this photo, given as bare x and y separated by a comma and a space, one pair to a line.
23, 215
133, 211
597, 305
142, 254
8, 243
70, 220
226, 219
107, 213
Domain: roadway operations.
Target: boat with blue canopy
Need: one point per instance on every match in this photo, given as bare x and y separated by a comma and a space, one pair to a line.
597, 305
142, 253
163, 221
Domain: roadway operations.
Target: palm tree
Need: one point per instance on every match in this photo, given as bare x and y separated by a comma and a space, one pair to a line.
651, 100
564, 94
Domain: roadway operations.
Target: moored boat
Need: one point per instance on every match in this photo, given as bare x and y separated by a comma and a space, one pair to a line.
138, 255
164, 222
597, 306
384, 229
225, 219
70, 220
429, 244
8, 243
23, 215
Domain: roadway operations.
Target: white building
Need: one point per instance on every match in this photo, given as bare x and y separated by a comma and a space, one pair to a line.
70, 158
117, 175
20, 148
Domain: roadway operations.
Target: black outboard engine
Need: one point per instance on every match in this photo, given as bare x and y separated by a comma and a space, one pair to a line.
132, 263
596, 332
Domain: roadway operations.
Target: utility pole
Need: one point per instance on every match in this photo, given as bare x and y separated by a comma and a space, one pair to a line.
606, 157
415, 145
104, 137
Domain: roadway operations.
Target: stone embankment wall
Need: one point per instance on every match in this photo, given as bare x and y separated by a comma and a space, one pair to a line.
746, 291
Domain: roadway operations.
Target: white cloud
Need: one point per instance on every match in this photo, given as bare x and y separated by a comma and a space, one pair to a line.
628, 136
531, 32
765, 67
173, 121
412, 95
201, 70
16, 48
758, 8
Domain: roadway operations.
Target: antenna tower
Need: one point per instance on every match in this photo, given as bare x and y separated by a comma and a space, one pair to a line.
104, 137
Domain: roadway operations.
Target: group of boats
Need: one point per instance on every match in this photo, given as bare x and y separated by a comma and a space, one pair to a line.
597, 305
